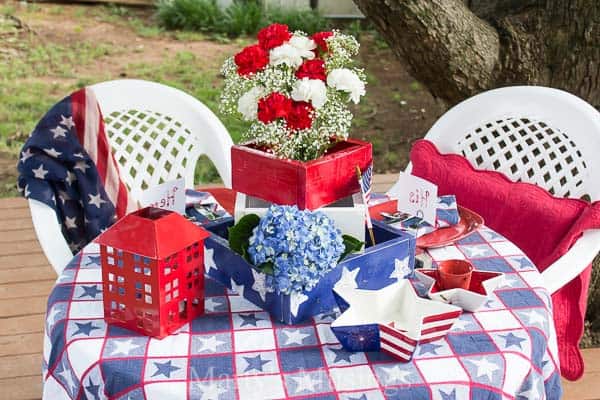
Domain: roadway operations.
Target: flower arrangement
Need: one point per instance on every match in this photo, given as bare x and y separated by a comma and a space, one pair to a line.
295, 248
295, 90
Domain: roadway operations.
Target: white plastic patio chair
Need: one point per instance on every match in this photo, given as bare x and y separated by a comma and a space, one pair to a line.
157, 134
533, 134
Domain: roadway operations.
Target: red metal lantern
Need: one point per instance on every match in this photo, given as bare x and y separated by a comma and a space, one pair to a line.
152, 271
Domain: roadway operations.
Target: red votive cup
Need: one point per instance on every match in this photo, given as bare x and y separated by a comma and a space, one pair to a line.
454, 274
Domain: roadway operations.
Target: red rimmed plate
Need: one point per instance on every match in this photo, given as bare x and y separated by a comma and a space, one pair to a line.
469, 221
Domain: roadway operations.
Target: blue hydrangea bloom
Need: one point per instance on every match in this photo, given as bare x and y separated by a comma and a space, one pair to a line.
303, 246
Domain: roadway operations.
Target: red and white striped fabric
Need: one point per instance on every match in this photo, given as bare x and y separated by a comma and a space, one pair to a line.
92, 136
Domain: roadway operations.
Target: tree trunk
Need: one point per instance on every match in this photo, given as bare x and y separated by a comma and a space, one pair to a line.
459, 48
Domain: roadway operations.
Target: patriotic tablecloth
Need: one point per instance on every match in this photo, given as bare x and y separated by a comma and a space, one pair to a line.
506, 350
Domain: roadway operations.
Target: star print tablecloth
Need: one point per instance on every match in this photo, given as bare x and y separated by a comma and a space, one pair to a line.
236, 351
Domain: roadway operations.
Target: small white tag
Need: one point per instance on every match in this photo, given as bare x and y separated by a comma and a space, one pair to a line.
169, 196
416, 196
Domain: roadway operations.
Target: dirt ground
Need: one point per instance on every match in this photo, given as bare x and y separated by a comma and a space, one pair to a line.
396, 110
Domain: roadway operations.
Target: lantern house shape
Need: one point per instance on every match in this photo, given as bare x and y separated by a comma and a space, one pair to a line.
152, 271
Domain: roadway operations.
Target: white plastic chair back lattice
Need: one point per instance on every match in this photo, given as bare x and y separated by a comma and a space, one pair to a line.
533, 134
157, 134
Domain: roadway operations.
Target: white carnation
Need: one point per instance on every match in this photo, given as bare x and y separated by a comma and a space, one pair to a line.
248, 103
304, 45
310, 90
347, 81
285, 54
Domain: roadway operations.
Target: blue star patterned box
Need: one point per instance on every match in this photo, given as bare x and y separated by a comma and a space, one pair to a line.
392, 258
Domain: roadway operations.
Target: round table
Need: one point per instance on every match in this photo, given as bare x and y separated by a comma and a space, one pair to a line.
505, 350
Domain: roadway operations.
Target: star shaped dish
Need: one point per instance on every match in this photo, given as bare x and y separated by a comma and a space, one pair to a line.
392, 319
483, 283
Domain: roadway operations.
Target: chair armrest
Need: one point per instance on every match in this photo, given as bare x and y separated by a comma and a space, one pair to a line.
50, 236
573, 262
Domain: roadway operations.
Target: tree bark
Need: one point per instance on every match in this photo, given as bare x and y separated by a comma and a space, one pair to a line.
459, 48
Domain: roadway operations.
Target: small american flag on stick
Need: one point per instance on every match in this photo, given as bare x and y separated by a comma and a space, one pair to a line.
366, 181
362, 178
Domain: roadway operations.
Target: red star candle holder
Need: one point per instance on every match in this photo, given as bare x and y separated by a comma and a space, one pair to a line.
482, 284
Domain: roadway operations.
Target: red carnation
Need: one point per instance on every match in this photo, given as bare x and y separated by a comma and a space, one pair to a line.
312, 69
273, 35
300, 116
320, 39
251, 59
273, 106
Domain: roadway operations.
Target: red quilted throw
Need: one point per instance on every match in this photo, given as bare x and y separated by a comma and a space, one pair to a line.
543, 226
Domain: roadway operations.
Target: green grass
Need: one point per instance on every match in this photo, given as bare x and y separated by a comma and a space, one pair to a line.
31, 79
122, 17
50, 60
36, 75
25, 102
22, 104
7, 9
145, 30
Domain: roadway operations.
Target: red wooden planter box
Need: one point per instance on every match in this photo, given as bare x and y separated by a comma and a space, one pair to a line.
310, 184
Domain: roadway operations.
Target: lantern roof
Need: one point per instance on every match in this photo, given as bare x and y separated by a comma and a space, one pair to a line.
152, 232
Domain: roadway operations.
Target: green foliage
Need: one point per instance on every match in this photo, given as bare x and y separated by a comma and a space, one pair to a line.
304, 20
242, 17
195, 15
205, 171
239, 234
117, 10
239, 238
415, 86
391, 159
144, 30
380, 42
354, 28
267, 268
351, 245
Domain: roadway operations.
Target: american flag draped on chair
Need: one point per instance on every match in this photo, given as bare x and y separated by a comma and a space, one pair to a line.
67, 164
